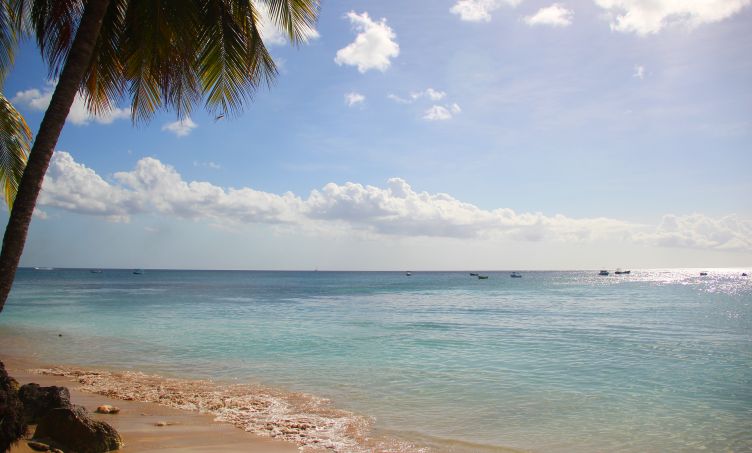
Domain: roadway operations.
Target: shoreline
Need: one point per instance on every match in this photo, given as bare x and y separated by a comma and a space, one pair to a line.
203, 415
186, 431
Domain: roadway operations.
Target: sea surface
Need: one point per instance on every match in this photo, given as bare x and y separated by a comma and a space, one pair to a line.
655, 361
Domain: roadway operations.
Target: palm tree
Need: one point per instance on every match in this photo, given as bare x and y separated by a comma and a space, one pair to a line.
162, 54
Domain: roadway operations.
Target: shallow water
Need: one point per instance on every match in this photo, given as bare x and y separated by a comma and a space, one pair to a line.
659, 360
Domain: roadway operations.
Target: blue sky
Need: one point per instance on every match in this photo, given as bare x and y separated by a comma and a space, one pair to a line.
431, 135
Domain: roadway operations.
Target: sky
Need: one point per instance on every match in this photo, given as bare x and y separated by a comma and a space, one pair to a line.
430, 135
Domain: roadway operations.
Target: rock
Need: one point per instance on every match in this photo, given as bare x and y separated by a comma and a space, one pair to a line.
72, 430
107, 409
12, 423
161, 424
38, 401
38, 446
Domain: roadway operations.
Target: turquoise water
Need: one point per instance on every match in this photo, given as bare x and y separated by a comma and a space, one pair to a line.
660, 360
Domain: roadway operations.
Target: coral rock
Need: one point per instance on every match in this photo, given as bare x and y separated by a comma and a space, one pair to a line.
107, 409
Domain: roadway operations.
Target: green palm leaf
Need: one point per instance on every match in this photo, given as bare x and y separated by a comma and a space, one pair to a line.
15, 141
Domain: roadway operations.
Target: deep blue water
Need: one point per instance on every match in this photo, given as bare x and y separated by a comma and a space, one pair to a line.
660, 360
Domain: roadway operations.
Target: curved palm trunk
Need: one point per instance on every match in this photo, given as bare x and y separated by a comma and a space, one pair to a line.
49, 131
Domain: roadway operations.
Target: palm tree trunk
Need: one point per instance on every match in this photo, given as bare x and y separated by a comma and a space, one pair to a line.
70, 80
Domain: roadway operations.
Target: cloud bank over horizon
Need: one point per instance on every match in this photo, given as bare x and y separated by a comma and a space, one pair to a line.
396, 209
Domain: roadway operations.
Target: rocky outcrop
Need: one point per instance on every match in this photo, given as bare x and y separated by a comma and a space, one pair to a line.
38, 401
71, 429
12, 424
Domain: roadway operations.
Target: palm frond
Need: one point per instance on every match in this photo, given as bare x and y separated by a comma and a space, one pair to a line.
104, 83
159, 59
55, 23
9, 34
168, 54
15, 142
233, 61
296, 17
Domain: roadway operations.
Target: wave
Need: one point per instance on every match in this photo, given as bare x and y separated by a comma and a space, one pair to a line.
309, 421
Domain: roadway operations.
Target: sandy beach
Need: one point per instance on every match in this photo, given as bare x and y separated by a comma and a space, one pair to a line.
186, 431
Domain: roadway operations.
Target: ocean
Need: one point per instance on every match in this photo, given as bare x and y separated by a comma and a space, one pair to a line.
654, 361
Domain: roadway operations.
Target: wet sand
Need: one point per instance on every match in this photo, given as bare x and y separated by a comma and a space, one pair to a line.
186, 431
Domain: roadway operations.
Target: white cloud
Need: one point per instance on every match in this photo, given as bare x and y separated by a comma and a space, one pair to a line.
441, 112
373, 47
645, 17
74, 187
555, 15
479, 10
702, 232
180, 128
639, 72
429, 93
398, 99
395, 210
33, 98
354, 98
79, 114
273, 35
209, 164
433, 95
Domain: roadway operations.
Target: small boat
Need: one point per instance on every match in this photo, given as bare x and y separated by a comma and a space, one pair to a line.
703, 274
44, 268
96, 271
408, 274
138, 272
473, 274
744, 274
515, 275
603, 272
621, 272
482, 277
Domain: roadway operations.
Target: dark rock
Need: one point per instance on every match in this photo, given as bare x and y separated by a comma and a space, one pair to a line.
12, 424
38, 401
72, 430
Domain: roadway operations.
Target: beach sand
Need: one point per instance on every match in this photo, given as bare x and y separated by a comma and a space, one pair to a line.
186, 431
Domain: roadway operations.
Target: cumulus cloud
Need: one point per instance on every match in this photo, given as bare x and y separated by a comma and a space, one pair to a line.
479, 10
555, 15
354, 98
374, 46
153, 187
272, 34
79, 114
639, 72
647, 17
441, 112
181, 127
702, 232
74, 187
